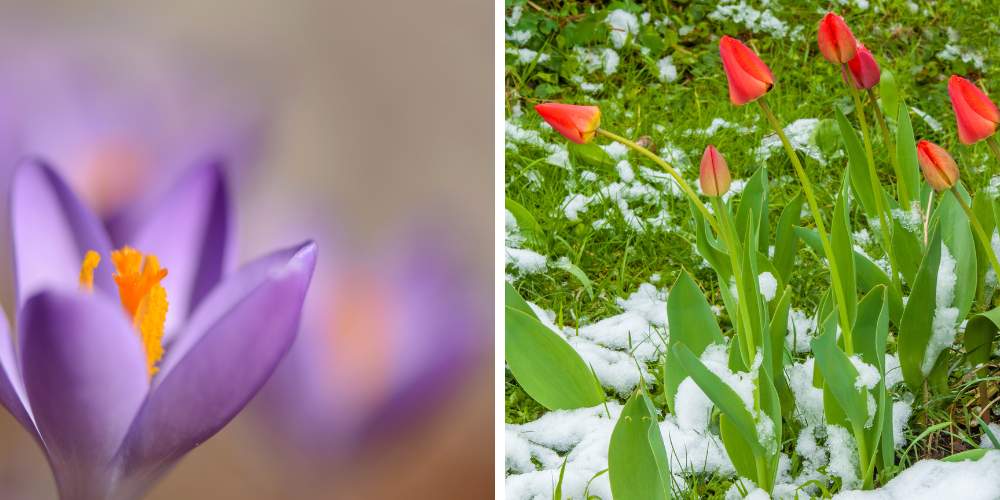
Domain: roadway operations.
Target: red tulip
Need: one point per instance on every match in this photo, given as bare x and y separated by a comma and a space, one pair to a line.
836, 41
937, 165
749, 78
976, 115
576, 123
714, 178
862, 71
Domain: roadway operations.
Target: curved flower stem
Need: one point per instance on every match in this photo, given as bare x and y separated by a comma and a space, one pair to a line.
839, 292
734, 251
670, 170
885, 229
903, 189
992, 142
984, 240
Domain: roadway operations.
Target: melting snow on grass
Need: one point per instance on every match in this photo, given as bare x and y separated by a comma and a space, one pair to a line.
801, 133
934, 480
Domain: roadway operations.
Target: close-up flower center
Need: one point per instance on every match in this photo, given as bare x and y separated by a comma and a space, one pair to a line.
142, 296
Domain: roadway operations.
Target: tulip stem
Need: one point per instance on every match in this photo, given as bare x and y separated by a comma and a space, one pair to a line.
994, 147
839, 292
903, 189
670, 170
885, 229
984, 240
729, 238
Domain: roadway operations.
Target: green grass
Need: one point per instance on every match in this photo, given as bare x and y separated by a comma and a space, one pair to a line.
636, 103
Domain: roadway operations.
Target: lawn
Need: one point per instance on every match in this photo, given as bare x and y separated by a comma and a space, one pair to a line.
613, 232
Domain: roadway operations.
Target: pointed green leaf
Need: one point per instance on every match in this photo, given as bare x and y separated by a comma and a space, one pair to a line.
907, 250
916, 326
633, 468
785, 239
723, 396
753, 207
577, 273
692, 323
979, 335
957, 236
906, 154
526, 222
839, 376
888, 91
842, 244
857, 165
547, 367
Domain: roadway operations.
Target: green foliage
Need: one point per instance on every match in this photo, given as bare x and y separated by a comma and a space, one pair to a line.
637, 460
548, 369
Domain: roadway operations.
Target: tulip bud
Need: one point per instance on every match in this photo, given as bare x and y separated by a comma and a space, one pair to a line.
749, 78
862, 71
937, 165
836, 41
576, 123
714, 177
976, 115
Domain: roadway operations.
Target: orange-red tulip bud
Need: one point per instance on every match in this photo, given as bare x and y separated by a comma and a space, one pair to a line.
749, 78
937, 165
862, 71
714, 178
976, 115
836, 41
576, 123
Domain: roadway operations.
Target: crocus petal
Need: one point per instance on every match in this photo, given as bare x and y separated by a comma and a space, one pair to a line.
975, 113
250, 322
749, 78
52, 231
85, 376
188, 229
12, 394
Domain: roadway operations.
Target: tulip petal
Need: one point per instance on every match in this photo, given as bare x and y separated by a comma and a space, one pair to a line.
52, 230
230, 348
188, 229
85, 376
975, 114
749, 78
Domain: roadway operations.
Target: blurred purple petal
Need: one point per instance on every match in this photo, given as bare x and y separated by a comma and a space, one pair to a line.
117, 118
206, 381
188, 229
52, 231
85, 375
11, 384
384, 338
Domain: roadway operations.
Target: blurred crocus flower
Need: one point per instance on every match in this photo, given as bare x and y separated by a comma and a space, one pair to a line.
386, 337
114, 384
114, 115
749, 78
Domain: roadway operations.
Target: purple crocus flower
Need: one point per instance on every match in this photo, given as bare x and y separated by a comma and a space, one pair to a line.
112, 391
385, 336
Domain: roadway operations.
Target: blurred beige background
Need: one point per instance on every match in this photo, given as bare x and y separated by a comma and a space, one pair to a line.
381, 109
